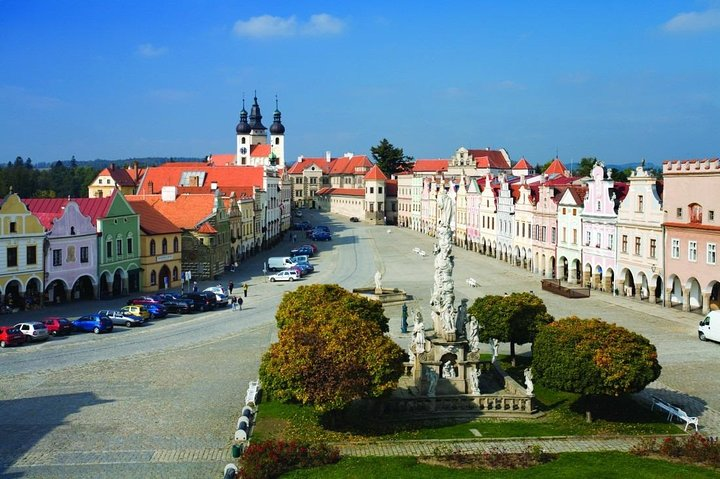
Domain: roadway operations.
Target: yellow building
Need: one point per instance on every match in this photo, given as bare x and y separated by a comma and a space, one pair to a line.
112, 177
160, 250
21, 253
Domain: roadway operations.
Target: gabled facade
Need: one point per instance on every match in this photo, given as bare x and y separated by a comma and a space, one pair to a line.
473, 214
487, 211
479, 162
545, 229
569, 245
524, 219
640, 239
505, 220
71, 259
114, 178
22, 239
118, 248
691, 200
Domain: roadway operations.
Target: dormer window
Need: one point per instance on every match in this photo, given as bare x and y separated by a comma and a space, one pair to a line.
13, 227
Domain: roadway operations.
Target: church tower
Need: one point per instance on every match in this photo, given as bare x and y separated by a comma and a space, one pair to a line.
277, 138
242, 129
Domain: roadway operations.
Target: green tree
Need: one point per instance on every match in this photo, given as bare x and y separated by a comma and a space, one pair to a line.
592, 357
585, 166
391, 160
515, 318
621, 175
330, 355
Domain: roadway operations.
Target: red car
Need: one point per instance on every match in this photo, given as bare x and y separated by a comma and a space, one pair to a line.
57, 325
10, 335
144, 300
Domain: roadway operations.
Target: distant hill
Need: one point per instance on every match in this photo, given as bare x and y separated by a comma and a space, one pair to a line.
99, 164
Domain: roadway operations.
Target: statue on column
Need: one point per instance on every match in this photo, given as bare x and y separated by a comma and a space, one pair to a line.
418, 333
432, 377
378, 282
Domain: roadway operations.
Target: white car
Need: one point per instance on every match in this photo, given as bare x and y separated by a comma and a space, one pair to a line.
34, 331
286, 275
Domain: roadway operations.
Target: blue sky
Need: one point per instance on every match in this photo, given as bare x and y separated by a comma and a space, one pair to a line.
110, 79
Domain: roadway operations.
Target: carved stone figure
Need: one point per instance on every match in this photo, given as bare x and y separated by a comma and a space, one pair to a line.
472, 332
419, 333
494, 344
432, 378
447, 208
378, 282
461, 318
448, 370
475, 379
529, 387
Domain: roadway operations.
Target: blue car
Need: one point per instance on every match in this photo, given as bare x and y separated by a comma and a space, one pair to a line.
305, 267
303, 250
157, 310
321, 236
93, 323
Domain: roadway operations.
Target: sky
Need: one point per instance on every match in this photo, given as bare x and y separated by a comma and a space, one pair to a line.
616, 80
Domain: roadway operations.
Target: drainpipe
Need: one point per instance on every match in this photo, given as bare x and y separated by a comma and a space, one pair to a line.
664, 285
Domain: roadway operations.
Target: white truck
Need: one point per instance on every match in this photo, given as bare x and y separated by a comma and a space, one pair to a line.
278, 263
709, 327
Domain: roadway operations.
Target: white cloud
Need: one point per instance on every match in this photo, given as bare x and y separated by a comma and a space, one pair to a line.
692, 22
268, 26
148, 50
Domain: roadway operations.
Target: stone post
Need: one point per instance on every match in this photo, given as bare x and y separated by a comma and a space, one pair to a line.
572, 274
586, 278
705, 303
596, 281
668, 297
621, 286
651, 295
686, 300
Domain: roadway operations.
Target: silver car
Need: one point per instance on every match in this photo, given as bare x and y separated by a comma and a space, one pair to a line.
121, 318
33, 330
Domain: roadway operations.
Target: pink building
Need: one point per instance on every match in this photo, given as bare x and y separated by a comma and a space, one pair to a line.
691, 203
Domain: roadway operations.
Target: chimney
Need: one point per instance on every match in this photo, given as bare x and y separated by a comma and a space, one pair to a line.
327, 156
169, 193
111, 167
150, 187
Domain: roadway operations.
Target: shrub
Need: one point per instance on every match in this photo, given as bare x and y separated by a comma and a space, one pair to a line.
694, 449
271, 459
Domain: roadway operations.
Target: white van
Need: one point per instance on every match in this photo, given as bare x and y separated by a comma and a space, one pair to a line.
278, 263
709, 327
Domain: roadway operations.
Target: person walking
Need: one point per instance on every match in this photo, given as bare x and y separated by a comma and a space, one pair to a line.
231, 285
195, 287
239, 303
245, 288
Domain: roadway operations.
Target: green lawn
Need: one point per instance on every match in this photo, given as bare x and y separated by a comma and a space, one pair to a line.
569, 465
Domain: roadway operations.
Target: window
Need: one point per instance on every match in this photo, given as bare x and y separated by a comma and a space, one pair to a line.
711, 215
153, 277
164, 246
12, 257
598, 240
564, 210
72, 230
57, 257
84, 254
31, 253
176, 245
711, 253
564, 235
653, 248
678, 212
574, 212
13, 227
598, 206
70, 254
372, 189
380, 189
587, 238
637, 245
108, 249
552, 235
675, 249
175, 274
640, 203
544, 234
119, 247
129, 246
574, 236
695, 213
624, 243
611, 241
692, 251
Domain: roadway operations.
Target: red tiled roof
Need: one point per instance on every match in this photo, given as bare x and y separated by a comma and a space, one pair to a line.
51, 208
121, 176
341, 191
186, 212
556, 167
489, 159
151, 221
206, 228
260, 151
375, 173
347, 165
300, 165
228, 178
223, 159
430, 165
522, 165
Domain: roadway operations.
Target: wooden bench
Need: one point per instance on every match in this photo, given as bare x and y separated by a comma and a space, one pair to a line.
416, 250
472, 282
422, 253
674, 411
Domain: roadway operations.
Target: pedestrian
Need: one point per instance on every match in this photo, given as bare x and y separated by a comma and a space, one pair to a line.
233, 301
231, 285
194, 286
245, 288
239, 303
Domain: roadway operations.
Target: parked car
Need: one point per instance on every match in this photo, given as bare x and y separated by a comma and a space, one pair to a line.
354, 219
286, 275
157, 310
57, 325
305, 249
174, 303
120, 318
212, 298
322, 228
300, 271
93, 323
305, 267
321, 236
33, 330
200, 301
298, 214
136, 310
144, 300
313, 246
11, 336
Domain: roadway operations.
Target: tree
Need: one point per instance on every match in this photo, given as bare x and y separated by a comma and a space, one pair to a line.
621, 175
306, 302
592, 357
391, 160
331, 352
585, 166
515, 318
